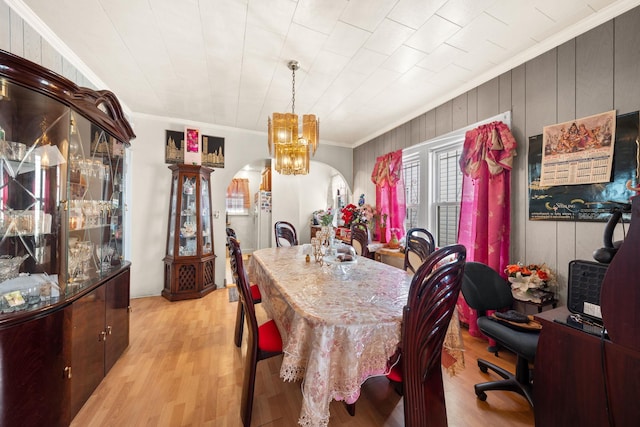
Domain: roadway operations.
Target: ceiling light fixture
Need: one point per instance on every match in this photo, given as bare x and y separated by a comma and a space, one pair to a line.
292, 150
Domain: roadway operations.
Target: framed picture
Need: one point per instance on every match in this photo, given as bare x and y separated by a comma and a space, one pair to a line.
212, 151
192, 146
173, 152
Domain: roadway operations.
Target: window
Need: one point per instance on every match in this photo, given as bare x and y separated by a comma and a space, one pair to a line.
447, 197
433, 186
238, 199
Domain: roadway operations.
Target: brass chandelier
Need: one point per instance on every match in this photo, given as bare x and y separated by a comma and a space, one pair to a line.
292, 150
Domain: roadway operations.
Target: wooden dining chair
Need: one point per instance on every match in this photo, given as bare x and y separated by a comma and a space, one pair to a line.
432, 299
254, 290
360, 240
263, 341
285, 234
419, 244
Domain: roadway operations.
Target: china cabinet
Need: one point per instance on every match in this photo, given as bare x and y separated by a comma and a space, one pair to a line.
189, 264
64, 283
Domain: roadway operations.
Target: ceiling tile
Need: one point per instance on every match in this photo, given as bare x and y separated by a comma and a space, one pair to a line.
366, 14
388, 37
433, 33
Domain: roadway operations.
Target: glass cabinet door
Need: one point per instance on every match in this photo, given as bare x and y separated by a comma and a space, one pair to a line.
171, 235
31, 175
188, 223
95, 203
205, 206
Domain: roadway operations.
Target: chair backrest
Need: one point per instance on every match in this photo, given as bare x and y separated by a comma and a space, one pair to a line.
360, 239
285, 234
419, 244
231, 232
484, 289
244, 295
432, 299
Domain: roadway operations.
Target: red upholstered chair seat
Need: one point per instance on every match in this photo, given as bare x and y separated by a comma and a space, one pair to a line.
395, 374
269, 338
255, 294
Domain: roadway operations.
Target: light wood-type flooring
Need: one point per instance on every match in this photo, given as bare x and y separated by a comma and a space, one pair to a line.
182, 369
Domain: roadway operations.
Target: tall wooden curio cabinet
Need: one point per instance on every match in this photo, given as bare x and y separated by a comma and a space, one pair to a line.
189, 266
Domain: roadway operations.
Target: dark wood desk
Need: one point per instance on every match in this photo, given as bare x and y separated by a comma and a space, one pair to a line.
569, 380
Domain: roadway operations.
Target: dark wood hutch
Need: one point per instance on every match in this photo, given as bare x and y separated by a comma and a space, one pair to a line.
64, 283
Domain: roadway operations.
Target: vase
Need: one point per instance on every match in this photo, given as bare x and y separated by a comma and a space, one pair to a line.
383, 234
394, 243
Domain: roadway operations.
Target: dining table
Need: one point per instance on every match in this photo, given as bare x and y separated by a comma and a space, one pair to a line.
340, 322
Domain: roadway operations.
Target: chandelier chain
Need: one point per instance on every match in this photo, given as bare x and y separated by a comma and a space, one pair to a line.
293, 90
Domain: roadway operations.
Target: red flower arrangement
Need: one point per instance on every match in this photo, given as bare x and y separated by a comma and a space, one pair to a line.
349, 213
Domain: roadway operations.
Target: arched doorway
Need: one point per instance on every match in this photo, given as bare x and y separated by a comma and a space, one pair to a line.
290, 198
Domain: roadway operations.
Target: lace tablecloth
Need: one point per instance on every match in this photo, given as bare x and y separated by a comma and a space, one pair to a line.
339, 323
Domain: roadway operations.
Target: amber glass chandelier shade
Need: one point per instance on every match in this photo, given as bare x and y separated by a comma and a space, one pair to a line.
291, 149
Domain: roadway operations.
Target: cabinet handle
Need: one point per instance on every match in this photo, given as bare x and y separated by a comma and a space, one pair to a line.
102, 336
108, 330
67, 372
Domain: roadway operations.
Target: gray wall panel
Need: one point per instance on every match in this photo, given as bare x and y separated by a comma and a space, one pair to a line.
566, 81
32, 45
51, 58
594, 94
626, 68
594, 71
504, 101
541, 94
460, 107
5, 27
417, 130
430, 118
488, 99
566, 232
443, 119
519, 183
472, 110
16, 34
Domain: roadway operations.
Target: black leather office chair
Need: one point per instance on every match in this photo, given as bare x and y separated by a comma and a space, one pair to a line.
419, 244
484, 289
285, 234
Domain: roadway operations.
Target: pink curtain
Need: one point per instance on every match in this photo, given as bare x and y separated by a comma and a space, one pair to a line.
387, 176
485, 221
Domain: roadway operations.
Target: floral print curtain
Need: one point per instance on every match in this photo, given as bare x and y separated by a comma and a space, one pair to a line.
390, 200
485, 211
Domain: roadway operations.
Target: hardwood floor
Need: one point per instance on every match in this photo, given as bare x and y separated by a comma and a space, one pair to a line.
182, 369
